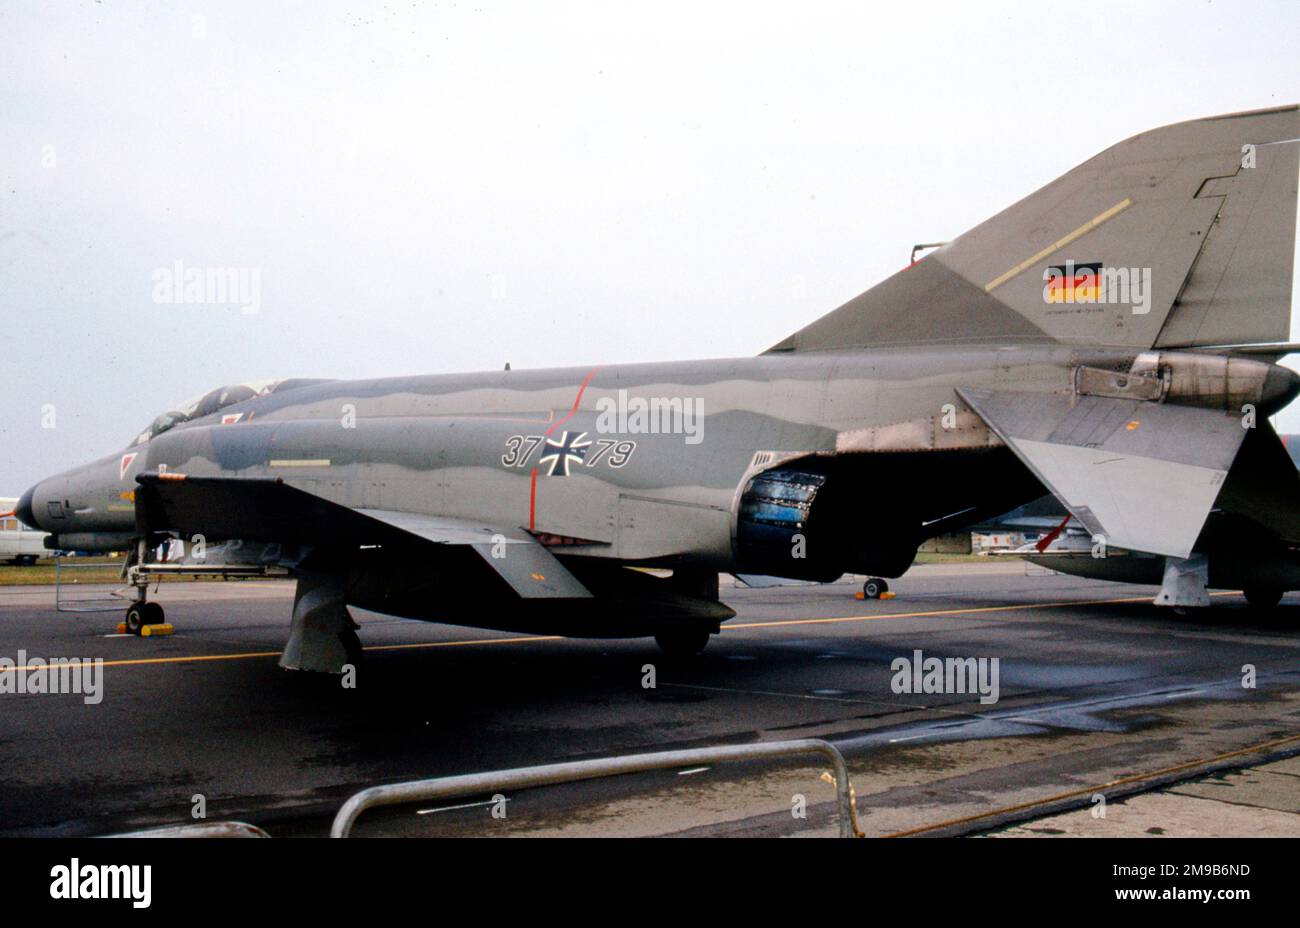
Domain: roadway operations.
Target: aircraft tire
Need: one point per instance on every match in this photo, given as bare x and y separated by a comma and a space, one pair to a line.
682, 642
874, 587
135, 617
1263, 597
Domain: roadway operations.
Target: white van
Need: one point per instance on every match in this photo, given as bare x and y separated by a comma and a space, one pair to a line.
18, 543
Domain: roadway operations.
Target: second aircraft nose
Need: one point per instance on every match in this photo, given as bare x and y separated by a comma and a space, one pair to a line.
24, 509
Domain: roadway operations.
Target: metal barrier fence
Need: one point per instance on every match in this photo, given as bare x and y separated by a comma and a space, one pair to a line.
92, 598
552, 774
199, 830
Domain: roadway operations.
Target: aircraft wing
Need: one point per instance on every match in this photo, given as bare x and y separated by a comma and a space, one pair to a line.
517, 557
268, 509
1143, 475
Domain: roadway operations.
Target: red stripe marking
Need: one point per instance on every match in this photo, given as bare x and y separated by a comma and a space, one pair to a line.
532, 502
577, 400
1050, 537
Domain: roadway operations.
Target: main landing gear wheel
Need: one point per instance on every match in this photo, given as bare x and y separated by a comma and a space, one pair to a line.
138, 615
682, 642
1263, 597
874, 587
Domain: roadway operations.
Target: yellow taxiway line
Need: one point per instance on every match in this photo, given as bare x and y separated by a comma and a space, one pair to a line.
248, 655
528, 639
973, 610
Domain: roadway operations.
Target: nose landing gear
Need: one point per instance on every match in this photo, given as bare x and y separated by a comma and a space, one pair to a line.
141, 613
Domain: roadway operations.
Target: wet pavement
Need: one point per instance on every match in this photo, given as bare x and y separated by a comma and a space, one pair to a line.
1093, 684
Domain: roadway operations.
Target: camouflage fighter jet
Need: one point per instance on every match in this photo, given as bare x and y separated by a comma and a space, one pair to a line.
1110, 339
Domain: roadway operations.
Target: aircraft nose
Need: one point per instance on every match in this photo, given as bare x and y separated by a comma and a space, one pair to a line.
24, 509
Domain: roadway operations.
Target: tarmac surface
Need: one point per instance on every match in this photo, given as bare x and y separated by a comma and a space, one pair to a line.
1100, 694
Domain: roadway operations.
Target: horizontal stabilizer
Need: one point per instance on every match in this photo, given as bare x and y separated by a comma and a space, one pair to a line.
1142, 475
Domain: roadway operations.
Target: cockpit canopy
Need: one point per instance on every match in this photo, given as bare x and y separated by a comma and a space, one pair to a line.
207, 404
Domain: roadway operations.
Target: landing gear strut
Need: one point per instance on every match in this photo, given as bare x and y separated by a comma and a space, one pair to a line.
141, 612
1184, 583
322, 636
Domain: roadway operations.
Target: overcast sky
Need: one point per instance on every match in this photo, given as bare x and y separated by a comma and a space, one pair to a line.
428, 188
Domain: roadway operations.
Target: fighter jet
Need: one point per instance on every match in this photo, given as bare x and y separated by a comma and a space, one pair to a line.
1110, 339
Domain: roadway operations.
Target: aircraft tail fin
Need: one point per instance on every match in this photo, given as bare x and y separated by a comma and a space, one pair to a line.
1179, 237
